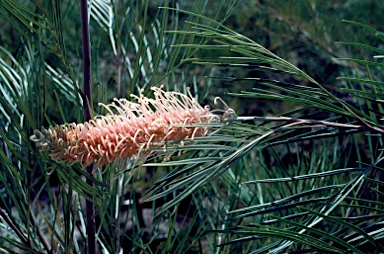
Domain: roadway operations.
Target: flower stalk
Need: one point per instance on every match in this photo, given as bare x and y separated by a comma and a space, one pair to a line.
87, 75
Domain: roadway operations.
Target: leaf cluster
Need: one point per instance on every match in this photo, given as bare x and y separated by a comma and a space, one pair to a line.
307, 179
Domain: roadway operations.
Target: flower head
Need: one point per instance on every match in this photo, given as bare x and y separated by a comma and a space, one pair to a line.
130, 130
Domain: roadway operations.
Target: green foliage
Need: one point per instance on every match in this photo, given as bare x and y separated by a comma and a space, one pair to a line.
307, 179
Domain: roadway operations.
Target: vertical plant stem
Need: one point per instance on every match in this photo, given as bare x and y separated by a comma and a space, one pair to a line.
119, 69
86, 58
91, 228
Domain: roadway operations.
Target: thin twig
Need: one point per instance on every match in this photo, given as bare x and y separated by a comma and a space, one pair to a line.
316, 123
26, 241
44, 241
91, 227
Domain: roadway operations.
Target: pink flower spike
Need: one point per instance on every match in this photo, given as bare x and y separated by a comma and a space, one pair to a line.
132, 132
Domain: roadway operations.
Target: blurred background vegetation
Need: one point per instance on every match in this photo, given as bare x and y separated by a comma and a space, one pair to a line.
313, 190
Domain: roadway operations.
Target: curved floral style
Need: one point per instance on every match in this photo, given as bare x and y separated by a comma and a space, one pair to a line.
132, 132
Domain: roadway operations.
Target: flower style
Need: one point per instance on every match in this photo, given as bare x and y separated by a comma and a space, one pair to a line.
132, 132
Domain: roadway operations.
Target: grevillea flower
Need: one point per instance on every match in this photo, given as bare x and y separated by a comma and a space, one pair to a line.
130, 130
